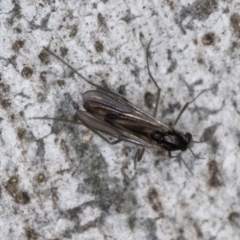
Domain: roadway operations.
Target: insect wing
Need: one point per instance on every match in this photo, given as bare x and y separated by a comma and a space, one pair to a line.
107, 100
117, 111
101, 126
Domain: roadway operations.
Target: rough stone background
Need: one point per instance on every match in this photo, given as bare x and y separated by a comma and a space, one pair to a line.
61, 181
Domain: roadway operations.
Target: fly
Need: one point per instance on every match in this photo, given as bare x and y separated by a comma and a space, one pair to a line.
111, 114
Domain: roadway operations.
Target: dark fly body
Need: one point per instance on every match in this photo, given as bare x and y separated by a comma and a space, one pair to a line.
108, 113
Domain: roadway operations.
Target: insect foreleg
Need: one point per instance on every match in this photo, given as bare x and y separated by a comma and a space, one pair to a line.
170, 155
186, 105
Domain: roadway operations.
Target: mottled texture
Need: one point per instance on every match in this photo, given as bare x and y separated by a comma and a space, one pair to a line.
61, 181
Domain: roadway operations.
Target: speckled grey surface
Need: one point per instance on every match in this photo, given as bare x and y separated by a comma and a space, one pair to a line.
61, 181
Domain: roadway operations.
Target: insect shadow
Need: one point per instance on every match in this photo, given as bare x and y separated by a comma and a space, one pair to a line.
110, 114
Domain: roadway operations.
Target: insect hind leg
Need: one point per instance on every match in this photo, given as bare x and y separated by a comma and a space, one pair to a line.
105, 139
138, 156
153, 80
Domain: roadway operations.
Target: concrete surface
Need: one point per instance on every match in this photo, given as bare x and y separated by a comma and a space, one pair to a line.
60, 180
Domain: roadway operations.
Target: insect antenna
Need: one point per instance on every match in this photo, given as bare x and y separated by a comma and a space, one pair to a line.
205, 140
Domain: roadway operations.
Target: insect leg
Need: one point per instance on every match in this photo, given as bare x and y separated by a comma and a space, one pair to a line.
75, 122
74, 70
170, 155
57, 119
138, 156
153, 80
186, 105
105, 139
85, 79
141, 151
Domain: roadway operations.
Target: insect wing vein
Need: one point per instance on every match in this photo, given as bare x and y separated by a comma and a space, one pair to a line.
99, 125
